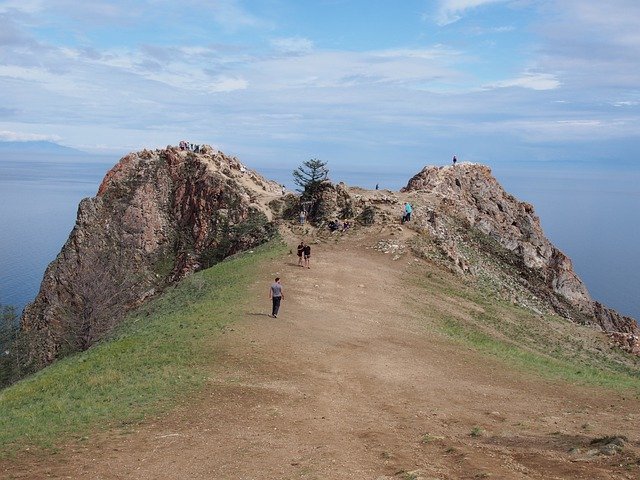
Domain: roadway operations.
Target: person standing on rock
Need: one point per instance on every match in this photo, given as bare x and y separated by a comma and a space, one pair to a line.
454, 159
307, 255
276, 295
407, 212
300, 253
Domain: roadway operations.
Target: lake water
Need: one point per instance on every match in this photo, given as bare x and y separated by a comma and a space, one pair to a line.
592, 216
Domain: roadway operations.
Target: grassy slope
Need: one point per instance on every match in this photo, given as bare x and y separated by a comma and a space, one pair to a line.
160, 354
548, 345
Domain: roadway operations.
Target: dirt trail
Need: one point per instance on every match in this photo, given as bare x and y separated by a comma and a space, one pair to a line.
348, 383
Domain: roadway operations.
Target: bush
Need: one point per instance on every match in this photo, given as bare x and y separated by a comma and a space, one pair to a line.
254, 231
367, 216
14, 351
287, 207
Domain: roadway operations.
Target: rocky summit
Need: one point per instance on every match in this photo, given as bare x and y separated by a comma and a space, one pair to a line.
158, 216
161, 215
485, 231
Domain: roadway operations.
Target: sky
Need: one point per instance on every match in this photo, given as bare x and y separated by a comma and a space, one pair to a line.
375, 84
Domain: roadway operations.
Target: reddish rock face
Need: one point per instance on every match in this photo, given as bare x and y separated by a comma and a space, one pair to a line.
469, 192
157, 216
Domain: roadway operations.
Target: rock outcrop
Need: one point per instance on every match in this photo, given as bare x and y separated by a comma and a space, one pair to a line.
158, 215
454, 201
161, 215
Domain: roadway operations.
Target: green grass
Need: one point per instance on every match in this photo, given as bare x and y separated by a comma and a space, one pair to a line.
556, 368
160, 354
547, 346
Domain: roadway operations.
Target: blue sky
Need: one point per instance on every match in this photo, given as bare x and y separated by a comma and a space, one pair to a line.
373, 84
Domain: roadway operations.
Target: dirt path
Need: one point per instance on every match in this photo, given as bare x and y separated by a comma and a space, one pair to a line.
348, 383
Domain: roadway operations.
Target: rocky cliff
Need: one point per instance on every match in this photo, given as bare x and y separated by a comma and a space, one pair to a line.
484, 230
158, 215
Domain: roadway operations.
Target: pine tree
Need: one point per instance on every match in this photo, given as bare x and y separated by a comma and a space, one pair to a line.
309, 176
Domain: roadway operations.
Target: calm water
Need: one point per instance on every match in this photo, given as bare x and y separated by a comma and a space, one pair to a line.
591, 216
38, 205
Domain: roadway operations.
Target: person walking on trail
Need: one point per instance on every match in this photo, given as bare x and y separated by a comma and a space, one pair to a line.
303, 215
307, 255
276, 295
300, 253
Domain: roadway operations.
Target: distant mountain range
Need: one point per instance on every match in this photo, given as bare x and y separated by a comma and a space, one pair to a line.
42, 147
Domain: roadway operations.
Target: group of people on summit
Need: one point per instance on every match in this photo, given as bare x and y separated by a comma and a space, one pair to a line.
184, 145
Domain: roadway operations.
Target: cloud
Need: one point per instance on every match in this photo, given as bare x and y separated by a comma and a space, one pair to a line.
292, 45
627, 103
8, 136
336, 73
227, 76
10, 34
230, 14
25, 6
594, 44
450, 11
533, 81
576, 129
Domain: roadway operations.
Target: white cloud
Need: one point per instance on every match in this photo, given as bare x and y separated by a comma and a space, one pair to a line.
230, 14
533, 81
9, 136
594, 44
574, 130
628, 103
26, 6
451, 11
292, 45
337, 72
238, 89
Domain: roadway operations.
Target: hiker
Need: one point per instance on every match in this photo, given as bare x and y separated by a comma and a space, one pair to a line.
307, 255
284, 190
334, 225
300, 253
377, 186
454, 159
276, 295
407, 212
303, 215
345, 226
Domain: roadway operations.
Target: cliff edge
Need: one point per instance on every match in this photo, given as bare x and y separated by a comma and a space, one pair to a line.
157, 216
472, 220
